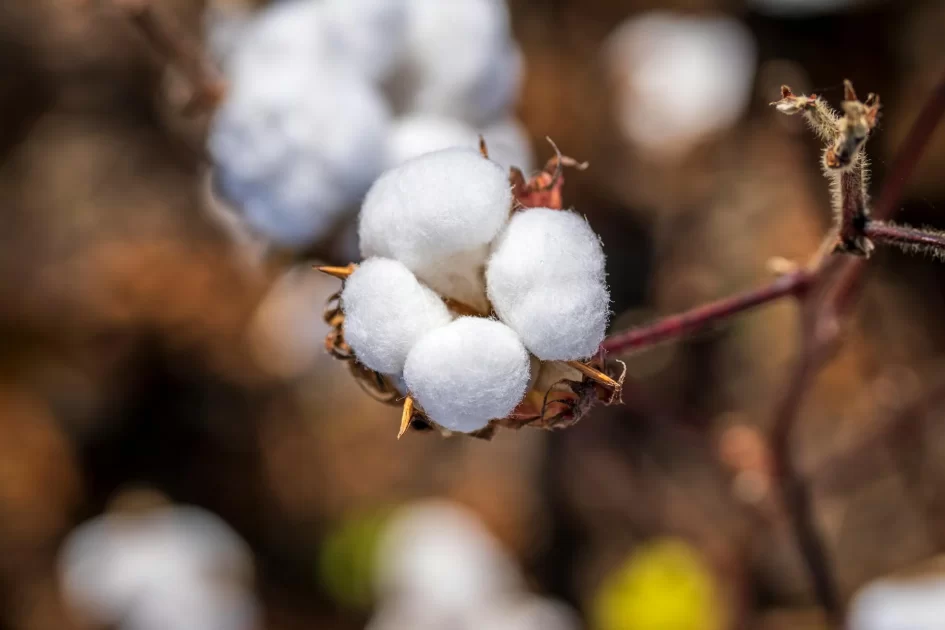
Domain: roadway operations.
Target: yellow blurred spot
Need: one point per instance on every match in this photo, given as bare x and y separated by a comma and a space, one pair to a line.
346, 559
665, 585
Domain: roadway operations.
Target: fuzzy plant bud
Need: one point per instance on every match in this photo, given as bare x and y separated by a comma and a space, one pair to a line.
387, 311
437, 214
467, 373
546, 280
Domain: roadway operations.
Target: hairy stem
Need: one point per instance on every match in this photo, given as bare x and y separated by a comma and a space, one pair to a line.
908, 238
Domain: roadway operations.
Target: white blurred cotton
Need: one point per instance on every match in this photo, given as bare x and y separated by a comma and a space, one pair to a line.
170, 567
437, 560
296, 146
917, 604
387, 311
367, 33
679, 77
528, 612
460, 60
467, 373
416, 134
546, 280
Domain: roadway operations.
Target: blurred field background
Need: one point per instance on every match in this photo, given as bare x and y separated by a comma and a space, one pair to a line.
144, 361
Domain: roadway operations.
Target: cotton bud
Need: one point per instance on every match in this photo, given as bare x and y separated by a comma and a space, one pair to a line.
295, 146
460, 60
437, 214
387, 311
546, 280
417, 134
467, 373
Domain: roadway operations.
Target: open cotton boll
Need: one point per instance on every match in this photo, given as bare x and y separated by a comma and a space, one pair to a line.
460, 59
296, 146
437, 213
370, 33
386, 312
439, 555
679, 77
546, 280
468, 373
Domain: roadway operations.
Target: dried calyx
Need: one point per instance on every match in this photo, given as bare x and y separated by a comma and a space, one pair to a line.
507, 344
843, 160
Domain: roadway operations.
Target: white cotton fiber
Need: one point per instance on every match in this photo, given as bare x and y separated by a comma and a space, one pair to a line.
287, 31
437, 214
467, 373
439, 555
546, 280
296, 145
386, 312
679, 77
460, 59
417, 134
369, 33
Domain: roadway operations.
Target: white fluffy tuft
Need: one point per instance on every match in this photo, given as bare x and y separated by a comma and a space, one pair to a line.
470, 72
437, 214
546, 280
386, 312
468, 373
368, 33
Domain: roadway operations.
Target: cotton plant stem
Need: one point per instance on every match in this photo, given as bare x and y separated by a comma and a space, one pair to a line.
675, 326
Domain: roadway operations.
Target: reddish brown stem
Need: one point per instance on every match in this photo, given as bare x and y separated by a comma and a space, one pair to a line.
686, 323
905, 236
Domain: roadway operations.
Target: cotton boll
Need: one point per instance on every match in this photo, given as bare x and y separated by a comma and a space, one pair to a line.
417, 134
468, 373
386, 312
546, 280
897, 605
295, 146
679, 78
284, 31
471, 72
438, 556
370, 33
437, 213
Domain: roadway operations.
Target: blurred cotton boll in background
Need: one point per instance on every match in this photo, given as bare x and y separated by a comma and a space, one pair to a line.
915, 604
439, 567
460, 60
679, 78
295, 148
151, 566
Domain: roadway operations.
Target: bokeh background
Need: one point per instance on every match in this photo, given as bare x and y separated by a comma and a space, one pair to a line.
176, 450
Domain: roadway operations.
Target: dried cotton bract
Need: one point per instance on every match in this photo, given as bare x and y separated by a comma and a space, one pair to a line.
468, 373
546, 281
386, 312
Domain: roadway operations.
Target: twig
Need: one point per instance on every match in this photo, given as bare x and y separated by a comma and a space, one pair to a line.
908, 238
683, 324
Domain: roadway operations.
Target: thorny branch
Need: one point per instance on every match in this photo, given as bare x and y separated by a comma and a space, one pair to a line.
826, 289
